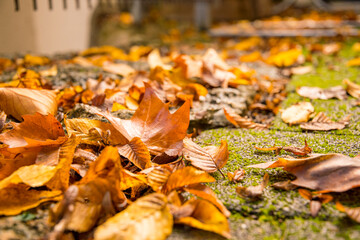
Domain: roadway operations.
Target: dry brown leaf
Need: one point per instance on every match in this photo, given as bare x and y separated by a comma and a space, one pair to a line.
324, 172
37, 130
3, 117
253, 191
319, 93
206, 193
242, 122
284, 185
322, 123
209, 159
352, 88
236, 176
147, 218
21, 101
353, 213
206, 217
297, 113
137, 153
190, 67
295, 150
316, 200
154, 60
186, 176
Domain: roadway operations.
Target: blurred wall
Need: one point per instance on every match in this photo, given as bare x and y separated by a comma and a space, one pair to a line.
44, 31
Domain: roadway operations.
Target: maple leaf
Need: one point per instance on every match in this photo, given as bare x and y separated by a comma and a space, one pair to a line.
242, 122
147, 218
319, 171
209, 159
160, 131
21, 101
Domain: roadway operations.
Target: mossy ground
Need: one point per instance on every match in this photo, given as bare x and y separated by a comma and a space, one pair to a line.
285, 214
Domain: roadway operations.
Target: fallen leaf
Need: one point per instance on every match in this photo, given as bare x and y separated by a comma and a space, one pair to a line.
242, 122
284, 185
21, 101
209, 159
353, 213
236, 176
316, 200
301, 70
331, 172
297, 113
206, 193
35, 131
253, 191
353, 62
118, 68
147, 218
319, 93
206, 217
285, 58
137, 153
160, 131
3, 117
154, 60
186, 176
35, 60
352, 88
322, 123
295, 150
94, 132
158, 177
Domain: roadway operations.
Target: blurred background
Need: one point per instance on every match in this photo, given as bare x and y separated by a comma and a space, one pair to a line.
53, 26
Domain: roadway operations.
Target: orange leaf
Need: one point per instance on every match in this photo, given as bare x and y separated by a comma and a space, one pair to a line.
186, 176
21, 101
207, 217
241, 122
137, 153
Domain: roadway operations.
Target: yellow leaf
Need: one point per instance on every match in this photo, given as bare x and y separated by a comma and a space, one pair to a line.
207, 217
22, 101
35, 60
147, 218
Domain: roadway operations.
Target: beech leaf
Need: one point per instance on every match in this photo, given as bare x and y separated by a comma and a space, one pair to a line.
147, 218
241, 122
21, 101
352, 88
209, 158
297, 113
137, 153
322, 123
319, 93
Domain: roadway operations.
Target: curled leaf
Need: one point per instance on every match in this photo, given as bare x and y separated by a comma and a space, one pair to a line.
242, 122
21, 101
236, 176
147, 218
353, 213
206, 217
284, 185
352, 88
297, 113
253, 191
